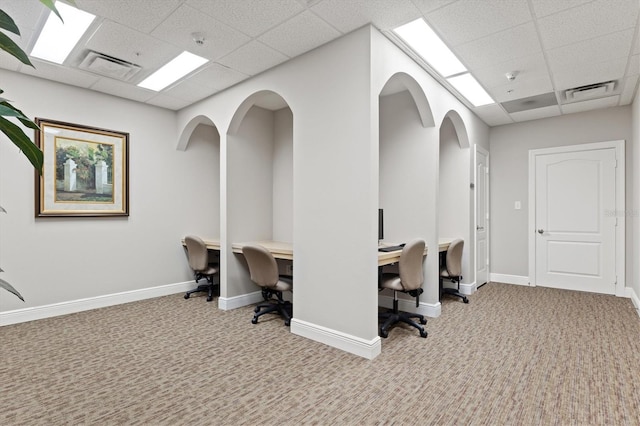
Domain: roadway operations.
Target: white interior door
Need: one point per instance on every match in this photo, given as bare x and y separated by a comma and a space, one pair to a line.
575, 221
482, 216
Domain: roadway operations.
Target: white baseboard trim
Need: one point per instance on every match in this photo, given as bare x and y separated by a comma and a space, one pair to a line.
409, 305
368, 349
73, 306
227, 303
509, 279
468, 288
634, 298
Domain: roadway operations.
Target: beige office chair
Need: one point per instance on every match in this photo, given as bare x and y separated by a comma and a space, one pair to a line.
409, 280
199, 263
264, 272
452, 270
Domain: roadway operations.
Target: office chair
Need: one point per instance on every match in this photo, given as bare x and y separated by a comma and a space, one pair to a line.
409, 280
264, 272
452, 269
199, 263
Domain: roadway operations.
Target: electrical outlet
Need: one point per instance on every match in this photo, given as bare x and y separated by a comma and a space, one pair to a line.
518, 206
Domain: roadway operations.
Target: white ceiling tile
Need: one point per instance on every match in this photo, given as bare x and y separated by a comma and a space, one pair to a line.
10, 63
493, 115
23, 41
634, 65
427, 6
59, 73
521, 88
142, 15
506, 45
532, 67
599, 49
252, 58
587, 21
570, 77
299, 34
132, 46
346, 16
26, 14
636, 49
217, 76
168, 102
547, 7
607, 102
629, 90
463, 21
189, 91
123, 90
219, 39
252, 17
534, 114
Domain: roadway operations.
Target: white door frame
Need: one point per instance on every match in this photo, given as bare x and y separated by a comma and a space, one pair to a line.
475, 214
618, 145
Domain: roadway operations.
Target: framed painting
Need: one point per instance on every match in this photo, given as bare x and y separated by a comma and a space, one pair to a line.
85, 171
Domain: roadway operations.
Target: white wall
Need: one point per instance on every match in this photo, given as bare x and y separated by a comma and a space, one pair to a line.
510, 145
53, 260
283, 176
453, 192
634, 282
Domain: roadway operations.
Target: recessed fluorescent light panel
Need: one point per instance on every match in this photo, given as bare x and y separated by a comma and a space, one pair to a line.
426, 43
469, 87
57, 39
174, 70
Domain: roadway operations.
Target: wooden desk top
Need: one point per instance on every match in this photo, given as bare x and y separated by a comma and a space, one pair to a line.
282, 250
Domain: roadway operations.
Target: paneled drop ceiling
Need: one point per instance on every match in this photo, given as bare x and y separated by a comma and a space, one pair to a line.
552, 46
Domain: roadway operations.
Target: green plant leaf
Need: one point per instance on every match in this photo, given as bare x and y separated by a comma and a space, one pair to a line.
28, 148
11, 47
21, 116
7, 23
10, 289
8, 111
50, 5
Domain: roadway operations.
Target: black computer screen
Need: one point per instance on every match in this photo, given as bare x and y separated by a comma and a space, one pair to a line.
380, 225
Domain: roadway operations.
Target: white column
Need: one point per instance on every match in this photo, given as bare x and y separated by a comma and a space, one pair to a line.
101, 176
69, 175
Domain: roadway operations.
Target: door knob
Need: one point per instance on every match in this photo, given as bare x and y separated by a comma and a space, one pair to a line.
540, 231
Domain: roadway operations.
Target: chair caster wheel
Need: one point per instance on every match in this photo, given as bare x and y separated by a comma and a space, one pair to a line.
423, 321
287, 323
254, 320
256, 310
186, 296
384, 334
209, 299
465, 300
423, 333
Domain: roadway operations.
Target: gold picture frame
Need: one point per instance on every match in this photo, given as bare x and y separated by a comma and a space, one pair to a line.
85, 171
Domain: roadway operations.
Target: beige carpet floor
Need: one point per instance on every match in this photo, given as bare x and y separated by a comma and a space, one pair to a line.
513, 356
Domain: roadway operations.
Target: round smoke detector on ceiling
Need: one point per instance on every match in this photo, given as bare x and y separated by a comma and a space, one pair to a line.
198, 38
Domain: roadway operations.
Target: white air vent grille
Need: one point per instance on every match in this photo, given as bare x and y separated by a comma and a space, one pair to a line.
591, 91
108, 66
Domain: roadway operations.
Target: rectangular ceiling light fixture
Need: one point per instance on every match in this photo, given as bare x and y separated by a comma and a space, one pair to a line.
426, 43
174, 70
57, 38
469, 87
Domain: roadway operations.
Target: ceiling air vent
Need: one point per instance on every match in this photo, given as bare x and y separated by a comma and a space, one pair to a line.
591, 91
108, 66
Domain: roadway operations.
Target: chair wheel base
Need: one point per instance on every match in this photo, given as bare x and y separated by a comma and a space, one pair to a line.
254, 320
465, 300
423, 333
186, 296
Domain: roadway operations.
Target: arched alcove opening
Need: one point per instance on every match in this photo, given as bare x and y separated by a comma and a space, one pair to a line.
406, 176
259, 181
454, 197
200, 142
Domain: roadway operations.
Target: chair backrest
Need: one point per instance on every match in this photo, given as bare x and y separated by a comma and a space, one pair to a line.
197, 253
410, 264
454, 258
262, 265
